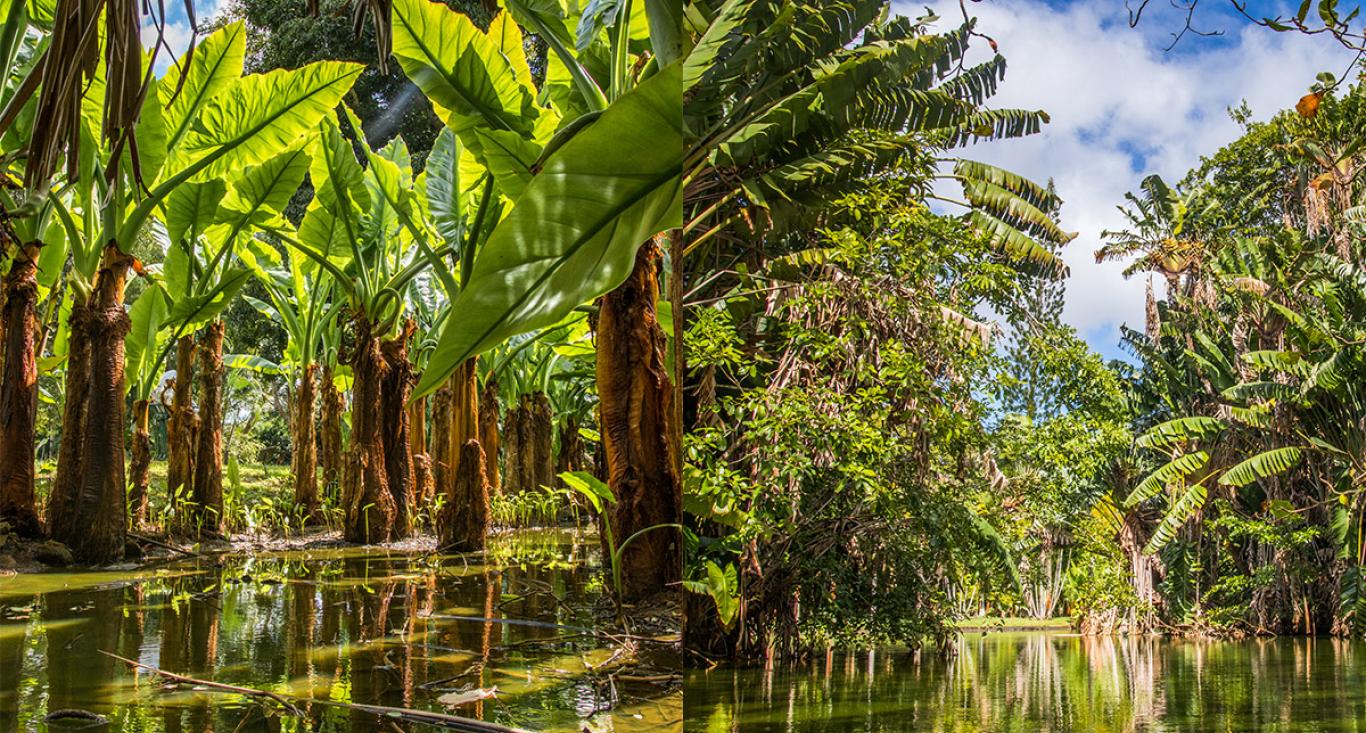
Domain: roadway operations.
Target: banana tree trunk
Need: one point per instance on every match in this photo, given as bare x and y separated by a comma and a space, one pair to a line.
207, 510
442, 460
142, 464
541, 427
638, 431
86, 510
424, 486
377, 488
182, 428
464, 414
332, 434
19, 394
397, 384
489, 438
513, 434
304, 456
464, 524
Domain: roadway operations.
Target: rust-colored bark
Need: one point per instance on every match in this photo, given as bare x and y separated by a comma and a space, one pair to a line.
638, 430
465, 519
207, 495
423, 485
182, 429
370, 509
19, 393
541, 429
464, 412
87, 510
572, 454
61, 501
304, 456
332, 434
378, 489
489, 437
514, 442
140, 474
442, 460
397, 384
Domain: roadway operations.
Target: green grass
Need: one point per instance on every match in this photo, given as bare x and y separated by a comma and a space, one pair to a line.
1014, 623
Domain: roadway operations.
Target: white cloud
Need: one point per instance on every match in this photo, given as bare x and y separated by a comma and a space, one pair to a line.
177, 31
1122, 108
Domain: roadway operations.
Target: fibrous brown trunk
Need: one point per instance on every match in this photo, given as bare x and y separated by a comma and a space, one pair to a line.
464, 413
207, 509
182, 429
332, 436
304, 456
19, 394
442, 460
377, 488
572, 453
465, 519
489, 438
142, 464
370, 509
541, 457
423, 484
639, 433
398, 457
513, 446
86, 510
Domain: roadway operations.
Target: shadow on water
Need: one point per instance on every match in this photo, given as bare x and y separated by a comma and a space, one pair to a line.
1049, 682
359, 625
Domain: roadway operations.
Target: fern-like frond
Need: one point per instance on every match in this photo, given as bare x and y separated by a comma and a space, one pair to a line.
1181, 430
1262, 465
1191, 501
1176, 469
1016, 246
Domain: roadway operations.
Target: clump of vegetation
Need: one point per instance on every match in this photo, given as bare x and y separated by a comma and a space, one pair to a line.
284, 249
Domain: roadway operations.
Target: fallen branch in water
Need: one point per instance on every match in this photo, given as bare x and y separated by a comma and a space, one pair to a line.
162, 545
439, 720
206, 683
649, 678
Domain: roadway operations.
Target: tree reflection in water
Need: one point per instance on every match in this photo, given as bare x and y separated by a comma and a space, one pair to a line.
1050, 682
359, 625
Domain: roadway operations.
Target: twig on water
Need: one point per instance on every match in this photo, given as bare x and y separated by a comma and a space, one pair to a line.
206, 683
163, 545
439, 720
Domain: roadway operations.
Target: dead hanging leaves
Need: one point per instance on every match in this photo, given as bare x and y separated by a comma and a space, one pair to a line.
1308, 106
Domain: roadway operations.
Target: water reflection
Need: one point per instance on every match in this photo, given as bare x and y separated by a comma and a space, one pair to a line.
1048, 682
342, 625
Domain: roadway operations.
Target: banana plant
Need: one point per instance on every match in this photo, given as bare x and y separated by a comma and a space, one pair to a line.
207, 223
793, 104
32, 251
367, 231
590, 182
299, 300
200, 121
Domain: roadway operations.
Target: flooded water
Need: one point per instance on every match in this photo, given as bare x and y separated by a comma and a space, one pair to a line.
1027, 683
358, 625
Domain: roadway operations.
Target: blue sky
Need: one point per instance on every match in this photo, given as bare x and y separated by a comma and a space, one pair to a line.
1123, 107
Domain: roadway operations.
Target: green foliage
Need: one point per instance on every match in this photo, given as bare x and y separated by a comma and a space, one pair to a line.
546, 258
1247, 383
837, 437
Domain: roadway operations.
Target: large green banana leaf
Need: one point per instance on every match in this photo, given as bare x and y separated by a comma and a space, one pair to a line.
216, 62
260, 115
475, 87
573, 234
